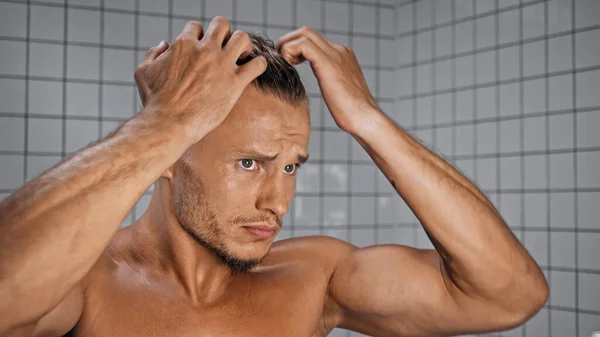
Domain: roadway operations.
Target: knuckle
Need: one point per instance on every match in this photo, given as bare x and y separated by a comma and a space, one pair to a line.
306, 29
194, 23
221, 20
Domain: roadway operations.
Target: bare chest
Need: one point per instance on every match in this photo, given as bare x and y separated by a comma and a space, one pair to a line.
281, 306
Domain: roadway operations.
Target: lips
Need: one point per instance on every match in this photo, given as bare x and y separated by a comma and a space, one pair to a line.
261, 231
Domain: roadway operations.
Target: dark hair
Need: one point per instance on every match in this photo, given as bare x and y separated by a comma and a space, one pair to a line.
281, 78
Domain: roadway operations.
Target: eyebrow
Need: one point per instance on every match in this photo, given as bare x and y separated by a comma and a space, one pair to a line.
266, 158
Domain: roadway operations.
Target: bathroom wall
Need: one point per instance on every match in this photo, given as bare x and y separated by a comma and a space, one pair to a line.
508, 91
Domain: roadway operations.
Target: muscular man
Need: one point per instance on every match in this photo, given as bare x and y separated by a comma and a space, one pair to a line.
223, 147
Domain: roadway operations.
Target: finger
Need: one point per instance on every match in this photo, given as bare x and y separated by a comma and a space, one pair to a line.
191, 30
239, 45
308, 32
251, 70
155, 52
219, 30
295, 51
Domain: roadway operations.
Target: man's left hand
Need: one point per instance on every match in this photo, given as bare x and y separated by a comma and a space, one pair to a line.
342, 83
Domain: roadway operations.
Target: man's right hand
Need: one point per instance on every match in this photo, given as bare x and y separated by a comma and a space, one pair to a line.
196, 81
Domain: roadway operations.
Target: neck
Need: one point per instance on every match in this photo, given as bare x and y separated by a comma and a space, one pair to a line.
203, 276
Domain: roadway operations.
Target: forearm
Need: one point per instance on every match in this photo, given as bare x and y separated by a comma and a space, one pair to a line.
479, 251
53, 229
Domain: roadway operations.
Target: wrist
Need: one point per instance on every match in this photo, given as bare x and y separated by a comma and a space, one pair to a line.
370, 122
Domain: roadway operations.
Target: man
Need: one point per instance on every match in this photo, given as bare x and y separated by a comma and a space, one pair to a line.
223, 148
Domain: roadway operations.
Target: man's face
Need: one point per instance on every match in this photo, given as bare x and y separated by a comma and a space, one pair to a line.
241, 175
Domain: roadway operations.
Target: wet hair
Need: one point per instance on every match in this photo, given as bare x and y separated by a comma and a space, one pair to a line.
281, 78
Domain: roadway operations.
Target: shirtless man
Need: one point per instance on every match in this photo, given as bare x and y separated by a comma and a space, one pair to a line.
223, 149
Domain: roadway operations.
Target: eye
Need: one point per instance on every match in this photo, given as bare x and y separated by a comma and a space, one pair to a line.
248, 164
290, 169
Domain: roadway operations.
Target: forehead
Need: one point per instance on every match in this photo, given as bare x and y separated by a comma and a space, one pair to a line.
260, 119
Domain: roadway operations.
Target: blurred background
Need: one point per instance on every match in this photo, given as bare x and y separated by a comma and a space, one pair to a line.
506, 90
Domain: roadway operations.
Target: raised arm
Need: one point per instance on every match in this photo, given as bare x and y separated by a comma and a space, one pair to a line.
479, 278
54, 228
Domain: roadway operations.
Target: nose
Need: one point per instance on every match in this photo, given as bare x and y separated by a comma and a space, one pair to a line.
274, 197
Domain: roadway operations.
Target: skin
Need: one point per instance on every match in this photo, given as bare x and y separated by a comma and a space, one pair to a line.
64, 264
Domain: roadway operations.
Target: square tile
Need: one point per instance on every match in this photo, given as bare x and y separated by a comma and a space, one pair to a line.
120, 4
465, 140
443, 75
486, 65
536, 210
562, 251
534, 20
586, 13
562, 210
307, 211
424, 77
47, 22
424, 45
88, 3
386, 21
465, 103
12, 130
587, 82
335, 177
464, 36
537, 245
383, 184
404, 113
561, 92
83, 25
510, 135
562, 169
443, 137
464, 70
562, 292
424, 14
562, 322
80, 134
561, 131
535, 171
308, 13
484, 6
588, 211
83, 62
534, 58
194, 7
538, 324
466, 167
118, 65
588, 324
486, 31
510, 173
588, 174
443, 108
487, 173
486, 102
11, 172
119, 29
12, 54
404, 18
279, 12
487, 139
509, 23
587, 132
36, 165
560, 51
424, 111
534, 94
45, 60
589, 291
108, 127
363, 178
387, 54
155, 6
443, 11
82, 99
363, 211
309, 178
314, 146
510, 97
13, 19
463, 8
589, 250
335, 211
509, 63
44, 135
364, 48
152, 30
559, 16
405, 82
12, 95
534, 133
336, 16
117, 101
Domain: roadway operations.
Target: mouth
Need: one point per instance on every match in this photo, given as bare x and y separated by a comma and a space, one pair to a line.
261, 230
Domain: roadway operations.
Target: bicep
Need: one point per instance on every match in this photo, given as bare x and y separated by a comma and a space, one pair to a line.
395, 290
57, 322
